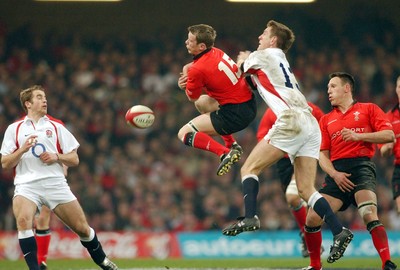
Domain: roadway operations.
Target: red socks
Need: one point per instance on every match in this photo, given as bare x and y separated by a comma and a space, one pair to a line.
380, 240
43, 242
229, 140
300, 217
204, 141
314, 242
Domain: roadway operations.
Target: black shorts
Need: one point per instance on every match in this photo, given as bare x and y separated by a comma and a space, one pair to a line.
363, 174
231, 118
396, 182
285, 172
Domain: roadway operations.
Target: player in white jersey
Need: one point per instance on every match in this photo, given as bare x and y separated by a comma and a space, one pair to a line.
38, 147
296, 131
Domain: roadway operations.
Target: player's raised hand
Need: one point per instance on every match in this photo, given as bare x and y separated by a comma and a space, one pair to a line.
243, 55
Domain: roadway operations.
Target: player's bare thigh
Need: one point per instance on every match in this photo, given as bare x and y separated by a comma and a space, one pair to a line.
201, 123
72, 215
262, 156
24, 212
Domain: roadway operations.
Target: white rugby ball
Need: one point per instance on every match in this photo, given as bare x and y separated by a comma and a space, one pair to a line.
140, 116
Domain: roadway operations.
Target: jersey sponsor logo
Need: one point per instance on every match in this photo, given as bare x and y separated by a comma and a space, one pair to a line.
356, 130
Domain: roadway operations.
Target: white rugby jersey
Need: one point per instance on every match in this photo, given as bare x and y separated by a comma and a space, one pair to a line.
52, 137
275, 80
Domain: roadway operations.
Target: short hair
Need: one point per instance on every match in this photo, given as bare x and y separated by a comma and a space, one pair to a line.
284, 34
345, 78
26, 95
204, 34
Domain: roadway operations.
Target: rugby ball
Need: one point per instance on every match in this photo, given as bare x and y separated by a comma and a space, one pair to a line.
140, 116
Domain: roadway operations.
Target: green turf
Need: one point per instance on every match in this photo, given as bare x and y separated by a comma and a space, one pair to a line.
359, 263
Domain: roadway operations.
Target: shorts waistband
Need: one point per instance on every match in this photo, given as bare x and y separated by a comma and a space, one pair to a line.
355, 159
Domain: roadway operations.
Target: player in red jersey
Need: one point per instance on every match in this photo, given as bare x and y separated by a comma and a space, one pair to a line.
349, 133
394, 148
214, 73
286, 174
207, 104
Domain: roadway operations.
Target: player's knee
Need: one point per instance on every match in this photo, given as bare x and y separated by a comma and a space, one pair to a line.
367, 211
313, 219
200, 108
186, 129
82, 230
181, 133
23, 223
294, 201
247, 169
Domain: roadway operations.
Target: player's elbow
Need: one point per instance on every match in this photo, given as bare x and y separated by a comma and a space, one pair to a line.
390, 137
74, 161
6, 163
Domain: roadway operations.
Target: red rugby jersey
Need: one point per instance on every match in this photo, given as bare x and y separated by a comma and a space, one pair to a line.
361, 118
269, 119
394, 118
217, 74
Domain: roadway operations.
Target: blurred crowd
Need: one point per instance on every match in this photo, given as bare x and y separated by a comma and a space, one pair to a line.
147, 180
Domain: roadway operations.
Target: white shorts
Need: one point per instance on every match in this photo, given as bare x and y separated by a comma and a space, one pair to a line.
297, 133
49, 192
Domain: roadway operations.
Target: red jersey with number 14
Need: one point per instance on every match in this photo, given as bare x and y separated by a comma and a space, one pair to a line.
216, 73
360, 118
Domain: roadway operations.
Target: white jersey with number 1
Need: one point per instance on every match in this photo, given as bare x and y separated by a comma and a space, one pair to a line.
275, 80
296, 131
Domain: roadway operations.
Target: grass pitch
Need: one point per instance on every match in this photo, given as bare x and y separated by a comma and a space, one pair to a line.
221, 264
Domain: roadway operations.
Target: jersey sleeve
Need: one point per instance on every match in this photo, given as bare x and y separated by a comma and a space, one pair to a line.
316, 111
67, 141
253, 62
195, 83
325, 142
379, 119
9, 145
389, 115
